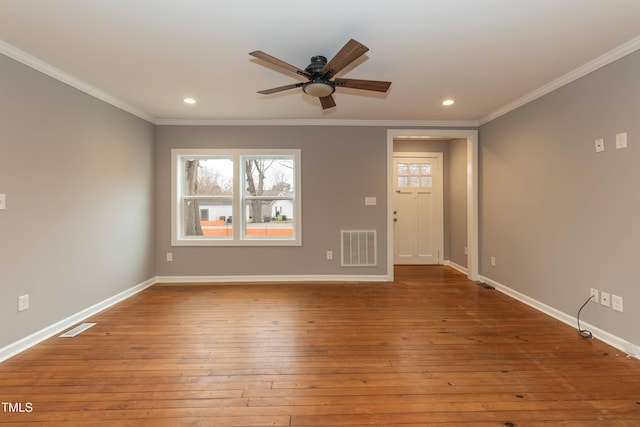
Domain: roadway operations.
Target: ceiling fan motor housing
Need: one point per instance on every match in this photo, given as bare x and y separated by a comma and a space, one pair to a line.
317, 64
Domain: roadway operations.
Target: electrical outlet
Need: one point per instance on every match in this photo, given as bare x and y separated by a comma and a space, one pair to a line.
3, 202
466, 250
23, 302
594, 294
329, 254
169, 256
616, 303
605, 299
493, 261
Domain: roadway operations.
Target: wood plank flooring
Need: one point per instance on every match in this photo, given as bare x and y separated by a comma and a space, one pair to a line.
430, 349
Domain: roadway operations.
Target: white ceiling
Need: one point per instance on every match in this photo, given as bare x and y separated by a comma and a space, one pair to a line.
147, 55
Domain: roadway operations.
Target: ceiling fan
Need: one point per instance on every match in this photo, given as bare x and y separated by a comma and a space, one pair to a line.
319, 73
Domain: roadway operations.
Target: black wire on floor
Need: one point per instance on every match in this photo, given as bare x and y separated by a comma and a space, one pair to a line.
583, 332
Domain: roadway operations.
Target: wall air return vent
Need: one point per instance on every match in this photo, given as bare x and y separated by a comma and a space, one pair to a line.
358, 248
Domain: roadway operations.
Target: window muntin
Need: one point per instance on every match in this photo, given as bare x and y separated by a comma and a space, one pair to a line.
265, 212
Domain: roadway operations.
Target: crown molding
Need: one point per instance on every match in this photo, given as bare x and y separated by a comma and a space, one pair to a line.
601, 61
319, 122
41, 66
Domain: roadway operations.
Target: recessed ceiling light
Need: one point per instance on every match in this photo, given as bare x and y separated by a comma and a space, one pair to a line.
189, 101
448, 102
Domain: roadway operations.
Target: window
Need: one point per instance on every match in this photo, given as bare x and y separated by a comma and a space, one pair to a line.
236, 197
414, 175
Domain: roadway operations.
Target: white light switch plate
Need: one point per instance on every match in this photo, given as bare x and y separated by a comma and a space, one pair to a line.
616, 303
621, 140
3, 202
599, 145
370, 201
23, 302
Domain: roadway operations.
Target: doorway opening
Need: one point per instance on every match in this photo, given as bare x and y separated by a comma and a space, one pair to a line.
471, 188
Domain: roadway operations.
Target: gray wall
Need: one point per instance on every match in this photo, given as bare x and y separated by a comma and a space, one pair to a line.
89, 211
559, 217
454, 154
78, 175
457, 201
340, 167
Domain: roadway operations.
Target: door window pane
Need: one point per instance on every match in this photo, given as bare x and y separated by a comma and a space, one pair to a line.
414, 175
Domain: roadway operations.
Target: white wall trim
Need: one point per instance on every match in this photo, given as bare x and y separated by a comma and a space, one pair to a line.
471, 135
51, 71
601, 61
604, 336
261, 279
51, 330
455, 266
316, 122
27, 342
35, 63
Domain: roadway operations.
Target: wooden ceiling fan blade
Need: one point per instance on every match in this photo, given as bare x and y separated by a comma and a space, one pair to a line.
351, 51
280, 89
277, 62
327, 102
378, 86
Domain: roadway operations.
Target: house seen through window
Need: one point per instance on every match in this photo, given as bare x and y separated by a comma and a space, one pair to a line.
236, 197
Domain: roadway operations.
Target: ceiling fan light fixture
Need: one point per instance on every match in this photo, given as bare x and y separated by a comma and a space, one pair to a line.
320, 72
318, 89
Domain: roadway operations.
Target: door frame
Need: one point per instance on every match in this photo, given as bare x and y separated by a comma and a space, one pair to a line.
440, 208
471, 135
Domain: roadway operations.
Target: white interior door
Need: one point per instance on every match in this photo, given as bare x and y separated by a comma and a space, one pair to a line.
417, 209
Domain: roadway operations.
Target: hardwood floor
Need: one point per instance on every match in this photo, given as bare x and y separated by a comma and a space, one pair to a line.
430, 349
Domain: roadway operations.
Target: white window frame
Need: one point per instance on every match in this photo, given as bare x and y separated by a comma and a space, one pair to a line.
238, 205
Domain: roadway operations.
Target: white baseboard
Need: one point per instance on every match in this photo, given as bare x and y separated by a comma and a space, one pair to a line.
458, 267
51, 330
258, 279
604, 336
43, 334
33, 339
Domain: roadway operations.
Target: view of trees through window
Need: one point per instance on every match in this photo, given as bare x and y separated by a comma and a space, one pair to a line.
267, 198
